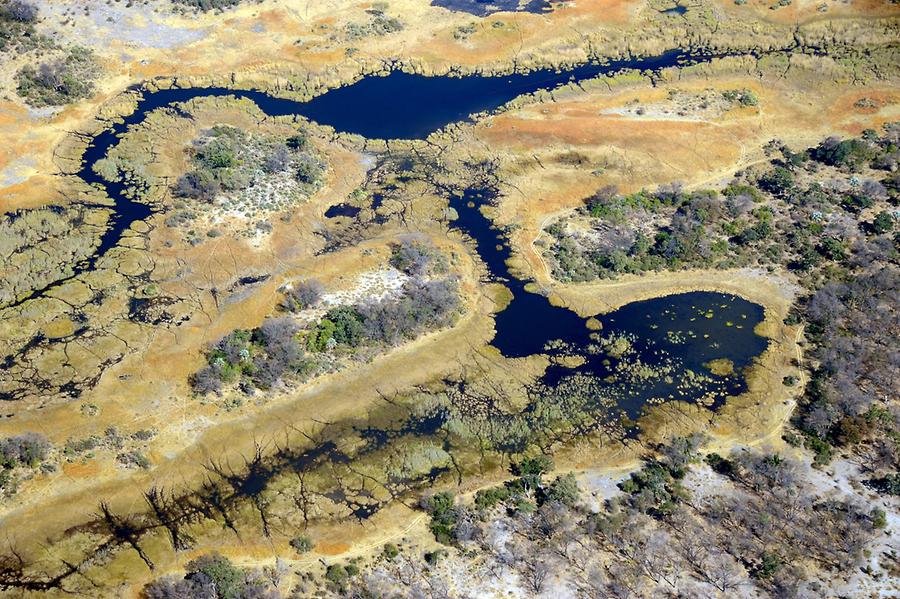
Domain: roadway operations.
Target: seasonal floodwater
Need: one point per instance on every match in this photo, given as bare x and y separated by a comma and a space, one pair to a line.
645, 353
396, 105
670, 341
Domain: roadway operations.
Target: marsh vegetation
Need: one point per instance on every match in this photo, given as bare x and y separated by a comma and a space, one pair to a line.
113, 281
683, 523
827, 215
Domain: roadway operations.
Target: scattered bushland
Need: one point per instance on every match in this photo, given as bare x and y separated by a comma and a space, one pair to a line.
803, 213
761, 527
207, 5
826, 215
228, 160
378, 25
17, 33
213, 576
850, 398
18, 454
59, 81
280, 349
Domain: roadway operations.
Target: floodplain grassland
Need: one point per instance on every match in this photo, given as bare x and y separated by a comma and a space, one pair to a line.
134, 332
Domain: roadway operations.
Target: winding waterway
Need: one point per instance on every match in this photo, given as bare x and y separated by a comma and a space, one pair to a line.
400, 105
671, 339
394, 105
669, 342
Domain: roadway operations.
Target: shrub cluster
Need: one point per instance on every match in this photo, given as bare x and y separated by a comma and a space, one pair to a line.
207, 5
303, 295
229, 160
744, 97
423, 304
417, 258
258, 358
17, 19
60, 81
27, 449
379, 25
211, 576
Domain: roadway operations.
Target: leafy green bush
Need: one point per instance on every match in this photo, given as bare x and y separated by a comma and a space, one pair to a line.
883, 223
654, 488
852, 153
564, 490
226, 577
486, 499
341, 325
302, 544
744, 97
339, 575
778, 181
444, 515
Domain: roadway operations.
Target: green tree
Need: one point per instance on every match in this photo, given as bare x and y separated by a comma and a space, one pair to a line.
883, 223
302, 544
228, 579
564, 490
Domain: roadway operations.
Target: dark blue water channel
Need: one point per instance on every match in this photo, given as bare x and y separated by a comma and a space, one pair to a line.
674, 337
394, 105
483, 8
408, 106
